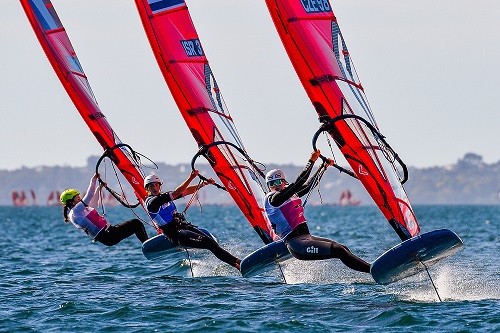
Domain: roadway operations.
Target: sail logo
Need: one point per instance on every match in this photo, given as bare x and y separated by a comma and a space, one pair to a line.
410, 221
362, 171
316, 6
231, 186
312, 249
192, 47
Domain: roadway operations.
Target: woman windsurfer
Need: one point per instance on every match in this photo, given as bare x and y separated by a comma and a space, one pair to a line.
174, 226
85, 217
286, 213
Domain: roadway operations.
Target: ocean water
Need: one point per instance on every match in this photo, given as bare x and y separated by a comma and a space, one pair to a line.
54, 279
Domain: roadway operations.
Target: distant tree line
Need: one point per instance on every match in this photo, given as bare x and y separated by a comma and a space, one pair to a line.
469, 181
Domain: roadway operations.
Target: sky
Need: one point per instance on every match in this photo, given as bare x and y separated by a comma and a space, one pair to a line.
429, 69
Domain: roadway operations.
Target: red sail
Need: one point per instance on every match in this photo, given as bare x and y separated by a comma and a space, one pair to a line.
182, 60
317, 50
57, 46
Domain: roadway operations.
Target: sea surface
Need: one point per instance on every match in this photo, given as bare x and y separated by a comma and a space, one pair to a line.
54, 279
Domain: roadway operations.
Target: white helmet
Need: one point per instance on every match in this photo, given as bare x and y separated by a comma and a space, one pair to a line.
275, 174
152, 179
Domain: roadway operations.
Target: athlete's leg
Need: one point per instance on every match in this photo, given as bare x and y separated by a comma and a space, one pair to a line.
133, 226
308, 247
196, 238
348, 258
117, 233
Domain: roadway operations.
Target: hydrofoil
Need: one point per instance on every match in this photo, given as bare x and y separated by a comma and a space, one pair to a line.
264, 259
160, 246
415, 255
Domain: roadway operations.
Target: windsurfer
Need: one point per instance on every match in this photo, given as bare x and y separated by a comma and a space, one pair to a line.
286, 213
85, 217
173, 224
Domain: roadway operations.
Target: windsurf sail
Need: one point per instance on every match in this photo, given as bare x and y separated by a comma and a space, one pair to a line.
33, 197
58, 49
317, 49
15, 199
180, 55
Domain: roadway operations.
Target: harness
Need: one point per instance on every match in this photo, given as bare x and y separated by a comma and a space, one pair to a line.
301, 229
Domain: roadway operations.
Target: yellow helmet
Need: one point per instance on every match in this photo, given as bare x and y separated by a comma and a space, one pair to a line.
68, 195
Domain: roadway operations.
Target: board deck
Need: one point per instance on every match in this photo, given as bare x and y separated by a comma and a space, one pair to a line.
264, 259
159, 246
406, 259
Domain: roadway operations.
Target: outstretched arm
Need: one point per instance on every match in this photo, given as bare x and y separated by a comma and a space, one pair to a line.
91, 191
279, 198
192, 188
185, 189
315, 178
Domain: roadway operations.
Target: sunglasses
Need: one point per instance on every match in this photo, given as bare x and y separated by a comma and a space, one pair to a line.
276, 182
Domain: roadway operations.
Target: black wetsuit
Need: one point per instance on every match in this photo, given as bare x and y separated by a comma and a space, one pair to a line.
180, 232
301, 244
116, 233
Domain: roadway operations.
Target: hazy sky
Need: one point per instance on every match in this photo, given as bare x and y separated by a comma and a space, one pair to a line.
429, 68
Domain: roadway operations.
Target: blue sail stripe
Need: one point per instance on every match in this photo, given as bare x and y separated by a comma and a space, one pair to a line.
158, 6
48, 18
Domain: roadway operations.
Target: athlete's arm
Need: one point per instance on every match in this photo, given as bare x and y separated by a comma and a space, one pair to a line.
91, 190
313, 181
180, 191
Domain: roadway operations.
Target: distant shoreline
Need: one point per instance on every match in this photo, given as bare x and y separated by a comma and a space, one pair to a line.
469, 181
